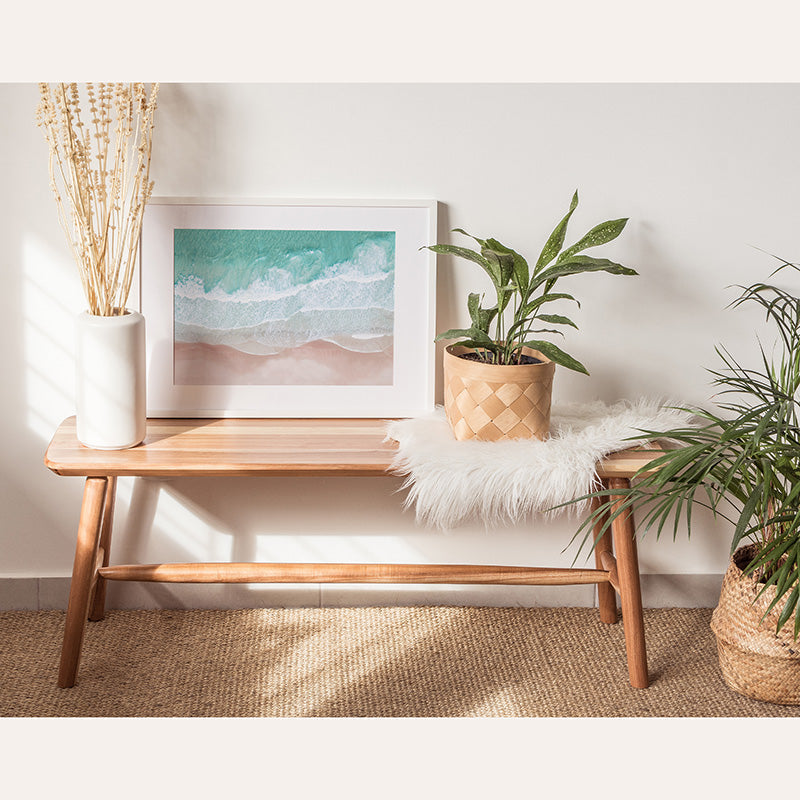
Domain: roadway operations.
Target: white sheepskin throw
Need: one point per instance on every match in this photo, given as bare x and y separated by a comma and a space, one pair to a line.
501, 482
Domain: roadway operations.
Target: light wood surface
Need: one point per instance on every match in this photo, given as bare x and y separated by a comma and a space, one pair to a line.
83, 573
353, 573
606, 597
215, 447
98, 563
609, 563
98, 605
630, 591
196, 447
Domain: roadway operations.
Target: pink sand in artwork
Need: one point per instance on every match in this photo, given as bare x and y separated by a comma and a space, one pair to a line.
314, 364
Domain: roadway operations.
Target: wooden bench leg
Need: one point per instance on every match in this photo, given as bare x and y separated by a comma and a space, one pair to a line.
606, 596
84, 571
98, 607
630, 591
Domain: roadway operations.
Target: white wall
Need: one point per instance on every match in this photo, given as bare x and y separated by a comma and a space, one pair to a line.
706, 173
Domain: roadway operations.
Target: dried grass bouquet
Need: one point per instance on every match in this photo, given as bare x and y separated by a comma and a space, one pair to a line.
100, 174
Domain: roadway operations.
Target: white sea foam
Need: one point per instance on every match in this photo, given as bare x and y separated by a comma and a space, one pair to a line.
369, 265
363, 330
351, 304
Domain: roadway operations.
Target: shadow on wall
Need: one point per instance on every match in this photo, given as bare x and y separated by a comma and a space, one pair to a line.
242, 519
189, 519
251, 519
49, 291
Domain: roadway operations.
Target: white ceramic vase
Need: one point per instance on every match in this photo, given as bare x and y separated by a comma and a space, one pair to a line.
111, 406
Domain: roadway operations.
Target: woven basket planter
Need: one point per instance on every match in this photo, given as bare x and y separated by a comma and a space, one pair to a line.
755, 661
490, 402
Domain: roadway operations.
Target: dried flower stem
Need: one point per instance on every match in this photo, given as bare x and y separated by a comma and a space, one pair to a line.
100, 175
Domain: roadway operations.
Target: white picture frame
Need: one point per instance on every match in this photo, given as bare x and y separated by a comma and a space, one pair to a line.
173, 364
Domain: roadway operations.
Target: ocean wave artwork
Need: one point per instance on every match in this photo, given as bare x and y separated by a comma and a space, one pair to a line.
283, 307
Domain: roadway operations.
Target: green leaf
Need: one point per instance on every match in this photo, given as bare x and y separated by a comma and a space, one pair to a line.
529, 308
453, 333
580, 264
519, 268
481, 317
557, 319
498, 247
490, 268
479, 346
496, 253
600, 234
789, 608
481, 242
745, 517
525, 316
547, 330
504, 263
473, 306
556, 240
521, 272
557, 355
469, 333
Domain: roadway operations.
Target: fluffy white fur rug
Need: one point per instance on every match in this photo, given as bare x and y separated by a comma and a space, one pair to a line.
500, 482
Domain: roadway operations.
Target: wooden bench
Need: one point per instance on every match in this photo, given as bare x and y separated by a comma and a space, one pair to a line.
309, 447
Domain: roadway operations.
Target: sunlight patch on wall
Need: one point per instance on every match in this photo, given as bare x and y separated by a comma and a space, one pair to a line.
52, 299
326, 548
185, 529
156, 518
332, 549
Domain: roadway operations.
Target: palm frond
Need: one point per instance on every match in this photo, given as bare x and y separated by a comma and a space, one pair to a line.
742, 462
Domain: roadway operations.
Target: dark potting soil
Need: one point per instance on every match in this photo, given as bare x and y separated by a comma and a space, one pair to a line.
522, 359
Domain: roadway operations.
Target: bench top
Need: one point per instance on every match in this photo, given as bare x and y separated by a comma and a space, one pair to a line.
215, 447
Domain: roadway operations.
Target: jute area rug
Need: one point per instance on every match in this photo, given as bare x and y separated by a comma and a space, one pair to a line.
366, 662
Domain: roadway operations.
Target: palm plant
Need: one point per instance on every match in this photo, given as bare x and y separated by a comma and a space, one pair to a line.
528, 291
743, 463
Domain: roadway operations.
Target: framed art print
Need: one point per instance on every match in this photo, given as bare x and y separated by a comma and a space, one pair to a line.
288, 308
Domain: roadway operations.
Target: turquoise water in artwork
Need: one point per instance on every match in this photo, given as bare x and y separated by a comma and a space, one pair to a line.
263, 291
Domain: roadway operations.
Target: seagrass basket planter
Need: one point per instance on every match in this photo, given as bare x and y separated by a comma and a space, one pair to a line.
490, 402
754, 660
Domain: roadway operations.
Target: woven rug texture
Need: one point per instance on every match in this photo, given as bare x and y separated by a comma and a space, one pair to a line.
436, 661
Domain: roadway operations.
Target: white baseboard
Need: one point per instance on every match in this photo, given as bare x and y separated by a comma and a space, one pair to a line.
658, 591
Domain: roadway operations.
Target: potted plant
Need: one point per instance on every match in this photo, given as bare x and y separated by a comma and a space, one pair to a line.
498, 384
744, 464
100, 141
